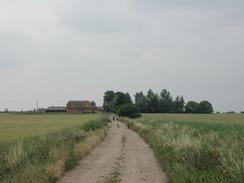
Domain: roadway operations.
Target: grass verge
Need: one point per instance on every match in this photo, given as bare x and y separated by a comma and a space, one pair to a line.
195, 152
44, 158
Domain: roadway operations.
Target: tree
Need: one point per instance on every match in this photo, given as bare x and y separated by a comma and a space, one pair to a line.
141, 102
205, 107
119, 99
112, 101
179, 104
107, 100
93, 104
152, 101
166, 102
191, 107
128, 110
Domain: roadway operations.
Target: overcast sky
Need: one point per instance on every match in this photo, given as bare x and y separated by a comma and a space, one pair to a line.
57, 50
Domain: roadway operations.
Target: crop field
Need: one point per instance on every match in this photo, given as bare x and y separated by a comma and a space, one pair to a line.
40, 148
13, 126
190, 148
196, 148
209, 118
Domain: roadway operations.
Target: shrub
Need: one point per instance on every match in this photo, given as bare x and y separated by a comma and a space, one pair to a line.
72, 161
191, 107
95, 124
205, 107
128, 110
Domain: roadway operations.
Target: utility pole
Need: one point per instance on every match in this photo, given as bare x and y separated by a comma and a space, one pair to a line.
37, 107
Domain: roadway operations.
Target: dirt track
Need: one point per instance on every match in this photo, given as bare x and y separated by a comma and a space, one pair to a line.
122, 157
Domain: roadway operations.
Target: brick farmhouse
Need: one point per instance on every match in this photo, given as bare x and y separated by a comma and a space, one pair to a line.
84, 106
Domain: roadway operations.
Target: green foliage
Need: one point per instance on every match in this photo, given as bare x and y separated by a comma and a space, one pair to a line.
95, 124
159, 103
107, 101
72, 160
191, 107
141, 102
152, 102
93, 104
120, 99
192, 152
155, 103
112, 101
128, 110
179, 105
203, 107
166, 102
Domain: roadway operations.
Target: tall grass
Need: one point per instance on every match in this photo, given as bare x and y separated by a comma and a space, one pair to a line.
44, 158
196, 152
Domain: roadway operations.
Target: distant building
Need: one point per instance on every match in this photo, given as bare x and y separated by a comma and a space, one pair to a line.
56, 109
99, 109
84, 106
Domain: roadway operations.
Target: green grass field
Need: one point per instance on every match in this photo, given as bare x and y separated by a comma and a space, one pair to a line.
210, 118
196, 148
40, 148
14, 126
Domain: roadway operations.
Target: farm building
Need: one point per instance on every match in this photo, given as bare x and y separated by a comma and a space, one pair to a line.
99, 109
81, 107
55, 109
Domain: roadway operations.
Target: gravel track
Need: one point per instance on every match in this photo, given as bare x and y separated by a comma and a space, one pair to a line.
122, 157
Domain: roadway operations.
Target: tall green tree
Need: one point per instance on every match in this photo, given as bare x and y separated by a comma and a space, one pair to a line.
153, 105
179, 104
141, 102
166, 102
112, 101
107, 101
119, 99
93, 104
205, 107
191, 107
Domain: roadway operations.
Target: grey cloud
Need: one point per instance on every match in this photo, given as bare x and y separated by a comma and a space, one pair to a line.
82, 48
193, 3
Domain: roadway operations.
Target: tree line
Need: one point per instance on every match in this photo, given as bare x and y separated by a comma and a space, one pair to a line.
153, 102
120, 103
164, 102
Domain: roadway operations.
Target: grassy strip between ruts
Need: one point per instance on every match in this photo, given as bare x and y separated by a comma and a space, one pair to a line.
195, 152
44, 158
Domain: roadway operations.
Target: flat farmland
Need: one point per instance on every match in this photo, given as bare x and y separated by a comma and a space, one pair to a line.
196, 148
41, 147
209, 118
14, 126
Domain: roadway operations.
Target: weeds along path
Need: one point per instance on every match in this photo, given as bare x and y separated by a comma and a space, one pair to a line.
122, 157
